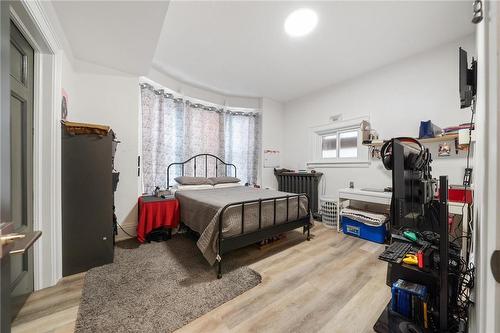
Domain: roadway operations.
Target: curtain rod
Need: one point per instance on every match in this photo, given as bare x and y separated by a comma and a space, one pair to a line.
218, 108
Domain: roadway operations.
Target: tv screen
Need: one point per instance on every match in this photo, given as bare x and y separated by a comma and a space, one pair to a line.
466, 79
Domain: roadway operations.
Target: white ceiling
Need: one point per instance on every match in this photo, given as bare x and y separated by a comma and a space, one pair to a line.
240, 48
117, 34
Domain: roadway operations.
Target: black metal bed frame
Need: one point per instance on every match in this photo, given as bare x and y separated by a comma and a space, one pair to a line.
227, 244
194, 159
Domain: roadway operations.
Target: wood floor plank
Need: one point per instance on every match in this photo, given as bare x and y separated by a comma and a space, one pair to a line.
333, 283
373, 298
67, 328
48, 323
280, 283
64, 295
331, 297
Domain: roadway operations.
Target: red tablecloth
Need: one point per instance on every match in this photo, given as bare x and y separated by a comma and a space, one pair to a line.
156, 214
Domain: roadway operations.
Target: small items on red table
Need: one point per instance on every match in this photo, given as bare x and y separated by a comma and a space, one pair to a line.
156, 213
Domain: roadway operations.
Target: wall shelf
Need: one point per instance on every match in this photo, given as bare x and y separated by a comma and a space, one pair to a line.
442, 138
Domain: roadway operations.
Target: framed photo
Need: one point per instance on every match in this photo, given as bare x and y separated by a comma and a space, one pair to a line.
444, 149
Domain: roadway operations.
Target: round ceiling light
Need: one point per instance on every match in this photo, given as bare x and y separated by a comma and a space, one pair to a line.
301, 22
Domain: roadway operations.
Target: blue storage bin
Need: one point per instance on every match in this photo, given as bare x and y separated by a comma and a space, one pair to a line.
354, 228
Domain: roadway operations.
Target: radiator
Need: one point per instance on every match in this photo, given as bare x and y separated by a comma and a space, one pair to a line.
294, 182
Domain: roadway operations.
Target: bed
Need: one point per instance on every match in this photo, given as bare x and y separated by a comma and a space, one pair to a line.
228, 218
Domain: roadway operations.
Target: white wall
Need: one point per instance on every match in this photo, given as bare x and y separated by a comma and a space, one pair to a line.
396, 97
98, 97
272, 137
68, 75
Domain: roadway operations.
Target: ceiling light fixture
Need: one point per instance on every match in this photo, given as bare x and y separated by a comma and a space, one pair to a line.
301, 22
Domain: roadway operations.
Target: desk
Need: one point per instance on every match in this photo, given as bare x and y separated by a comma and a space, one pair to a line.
384, 198
345, 194
156, 213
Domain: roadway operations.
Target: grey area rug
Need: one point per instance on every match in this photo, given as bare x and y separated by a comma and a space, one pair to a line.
157, 287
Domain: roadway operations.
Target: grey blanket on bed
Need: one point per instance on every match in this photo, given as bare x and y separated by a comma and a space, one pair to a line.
200, 210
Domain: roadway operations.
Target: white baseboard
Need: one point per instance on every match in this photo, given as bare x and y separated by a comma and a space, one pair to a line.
129, 228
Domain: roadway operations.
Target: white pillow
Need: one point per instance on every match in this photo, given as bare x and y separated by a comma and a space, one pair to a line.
223, 185
180, 187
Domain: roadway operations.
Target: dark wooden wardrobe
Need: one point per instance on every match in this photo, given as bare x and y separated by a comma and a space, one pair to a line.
87, 197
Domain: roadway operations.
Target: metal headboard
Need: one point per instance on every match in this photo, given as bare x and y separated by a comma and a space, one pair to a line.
205, 161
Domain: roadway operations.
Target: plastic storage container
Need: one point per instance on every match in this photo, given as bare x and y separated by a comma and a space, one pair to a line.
361, 230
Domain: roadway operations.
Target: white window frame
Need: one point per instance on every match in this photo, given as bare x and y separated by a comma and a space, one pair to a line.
318, 132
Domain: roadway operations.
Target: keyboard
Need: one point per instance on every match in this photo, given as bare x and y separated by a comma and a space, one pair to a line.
395, 252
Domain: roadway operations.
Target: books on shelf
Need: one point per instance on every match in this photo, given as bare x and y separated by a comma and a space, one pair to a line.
455, 129
410, 300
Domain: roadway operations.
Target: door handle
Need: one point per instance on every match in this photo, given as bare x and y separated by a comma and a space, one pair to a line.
5, 229
495, 265
9, 238
21, 246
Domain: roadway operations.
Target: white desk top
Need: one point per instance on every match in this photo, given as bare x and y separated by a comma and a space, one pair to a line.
385, 198
366, 192
364, 195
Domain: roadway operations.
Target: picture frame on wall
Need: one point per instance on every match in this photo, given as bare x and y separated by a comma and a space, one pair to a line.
444, 150
271, 158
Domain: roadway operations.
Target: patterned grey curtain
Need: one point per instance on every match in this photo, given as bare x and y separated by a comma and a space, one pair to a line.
242, 144
174, 130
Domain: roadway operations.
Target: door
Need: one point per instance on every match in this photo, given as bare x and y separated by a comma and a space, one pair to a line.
5, 214
16, 146
21, 160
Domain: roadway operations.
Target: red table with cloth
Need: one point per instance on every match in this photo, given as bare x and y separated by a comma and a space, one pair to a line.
156, 213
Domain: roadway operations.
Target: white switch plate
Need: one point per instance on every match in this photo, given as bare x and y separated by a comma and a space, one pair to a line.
463, 136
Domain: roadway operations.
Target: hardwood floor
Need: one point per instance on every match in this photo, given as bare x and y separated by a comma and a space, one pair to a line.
334, 283
51, 309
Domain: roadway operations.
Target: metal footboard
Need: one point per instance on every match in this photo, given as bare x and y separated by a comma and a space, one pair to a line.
226, 244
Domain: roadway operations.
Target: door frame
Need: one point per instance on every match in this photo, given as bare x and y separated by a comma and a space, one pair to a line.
485, 316
31, 20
